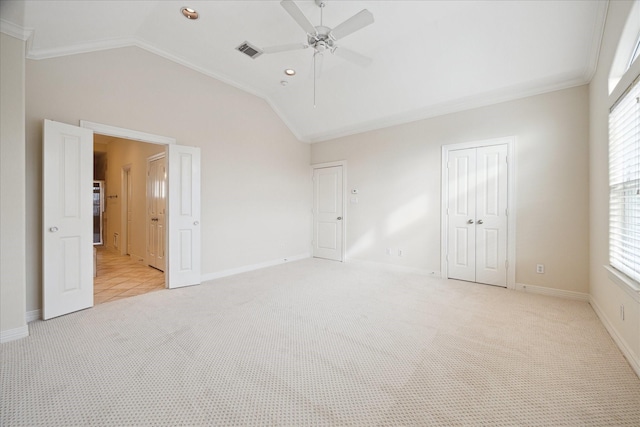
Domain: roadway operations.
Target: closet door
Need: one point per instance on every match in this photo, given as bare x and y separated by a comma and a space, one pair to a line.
477, 215
491, 215
462, 215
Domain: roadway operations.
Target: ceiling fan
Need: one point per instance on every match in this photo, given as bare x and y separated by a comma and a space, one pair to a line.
322, 38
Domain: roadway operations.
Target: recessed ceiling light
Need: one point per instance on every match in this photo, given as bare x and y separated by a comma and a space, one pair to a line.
290, 72
284, 82
189, 13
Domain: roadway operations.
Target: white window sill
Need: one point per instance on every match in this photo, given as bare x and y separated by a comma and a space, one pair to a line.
630, 286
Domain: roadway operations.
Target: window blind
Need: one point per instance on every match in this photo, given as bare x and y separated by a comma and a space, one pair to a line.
624, 183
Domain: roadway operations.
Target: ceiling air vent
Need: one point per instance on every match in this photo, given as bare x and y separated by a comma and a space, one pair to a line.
250, 50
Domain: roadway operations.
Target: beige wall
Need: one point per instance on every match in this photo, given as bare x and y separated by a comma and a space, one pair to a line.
12, 185
397, 173
120, 153
255, 174
606, 295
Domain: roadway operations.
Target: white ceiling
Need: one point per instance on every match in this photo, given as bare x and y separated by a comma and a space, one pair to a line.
429, 57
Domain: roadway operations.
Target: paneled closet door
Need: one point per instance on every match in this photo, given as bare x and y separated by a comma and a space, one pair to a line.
462, 215
491, 214
477, 215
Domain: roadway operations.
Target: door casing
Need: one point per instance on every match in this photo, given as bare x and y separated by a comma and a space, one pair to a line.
511, 203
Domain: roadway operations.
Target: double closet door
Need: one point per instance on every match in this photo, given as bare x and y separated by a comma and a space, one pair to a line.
477, 214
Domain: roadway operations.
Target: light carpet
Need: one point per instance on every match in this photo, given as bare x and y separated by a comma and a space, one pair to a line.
322, 343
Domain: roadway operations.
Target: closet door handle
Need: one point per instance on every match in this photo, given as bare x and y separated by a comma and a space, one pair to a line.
470, 221
480, 222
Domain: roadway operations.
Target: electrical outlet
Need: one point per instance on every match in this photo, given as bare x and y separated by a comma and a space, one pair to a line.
540, 268
400, 252
621, 312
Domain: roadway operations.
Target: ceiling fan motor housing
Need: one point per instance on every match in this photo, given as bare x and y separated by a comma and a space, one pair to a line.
322, 40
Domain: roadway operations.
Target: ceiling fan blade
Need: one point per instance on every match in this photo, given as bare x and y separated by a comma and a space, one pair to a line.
284, 47
295, 12
352, 56
353, 24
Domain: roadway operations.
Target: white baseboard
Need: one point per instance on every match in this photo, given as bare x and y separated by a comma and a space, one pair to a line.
244, 269
32, 315
578, 296
632, 358
14, 334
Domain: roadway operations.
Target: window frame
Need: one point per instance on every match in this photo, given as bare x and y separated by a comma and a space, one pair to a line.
624, 182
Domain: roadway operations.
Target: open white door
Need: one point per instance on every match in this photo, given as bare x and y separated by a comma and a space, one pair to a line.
67, 276
184, 216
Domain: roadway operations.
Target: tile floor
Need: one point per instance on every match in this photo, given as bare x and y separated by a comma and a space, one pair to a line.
120, 277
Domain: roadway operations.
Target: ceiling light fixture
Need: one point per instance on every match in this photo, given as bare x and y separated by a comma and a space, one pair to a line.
189, 13
290, 72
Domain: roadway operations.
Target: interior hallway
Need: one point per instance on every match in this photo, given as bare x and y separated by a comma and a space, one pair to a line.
120, 277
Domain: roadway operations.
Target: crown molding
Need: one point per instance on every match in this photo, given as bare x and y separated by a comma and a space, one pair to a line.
93, 46
596, 41
14, 30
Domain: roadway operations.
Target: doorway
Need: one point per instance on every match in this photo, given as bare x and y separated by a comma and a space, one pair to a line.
478, 215
124, 261
67, 221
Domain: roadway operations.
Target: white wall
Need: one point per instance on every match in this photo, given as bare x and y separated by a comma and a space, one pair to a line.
12, 188
255, 174
606, 295
397, 172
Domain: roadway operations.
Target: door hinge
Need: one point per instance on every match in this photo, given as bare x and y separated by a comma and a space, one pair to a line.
448, 165
506, 212
448, 211
506, 264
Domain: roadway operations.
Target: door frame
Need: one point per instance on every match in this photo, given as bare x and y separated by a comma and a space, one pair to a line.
510, 141
343, 163
118, 132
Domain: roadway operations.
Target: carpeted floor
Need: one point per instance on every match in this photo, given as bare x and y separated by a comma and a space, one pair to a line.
322, 343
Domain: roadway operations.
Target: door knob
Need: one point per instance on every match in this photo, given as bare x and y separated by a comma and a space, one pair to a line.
195, 223
339, 218
53, 229
480, 222
470, 221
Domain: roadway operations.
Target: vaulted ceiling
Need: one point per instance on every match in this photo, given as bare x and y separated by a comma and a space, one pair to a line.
427, 57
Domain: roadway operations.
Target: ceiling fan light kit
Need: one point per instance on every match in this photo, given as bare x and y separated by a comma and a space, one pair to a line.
321, 38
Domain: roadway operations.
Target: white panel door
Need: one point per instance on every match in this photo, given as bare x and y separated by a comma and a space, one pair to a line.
477, 215
328, 213
462, 215
491, 214
67, 276
156, 208
184, 216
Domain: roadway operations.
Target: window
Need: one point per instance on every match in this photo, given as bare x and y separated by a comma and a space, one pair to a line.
624, 183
